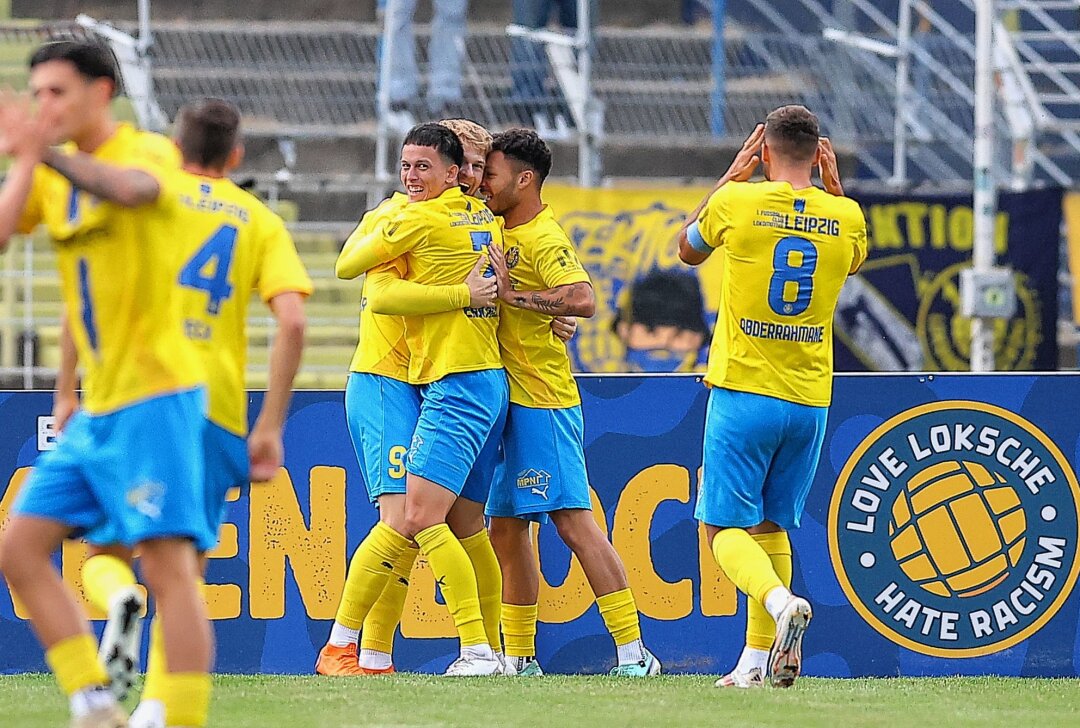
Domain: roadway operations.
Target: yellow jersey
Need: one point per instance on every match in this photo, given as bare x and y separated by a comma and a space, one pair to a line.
380, 348
118, 269
440, 240
539, 256
787, 253
233, 245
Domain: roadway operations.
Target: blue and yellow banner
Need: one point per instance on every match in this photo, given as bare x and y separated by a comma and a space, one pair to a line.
900, 313
940, 535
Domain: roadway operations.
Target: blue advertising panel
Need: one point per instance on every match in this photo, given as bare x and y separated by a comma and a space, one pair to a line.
939, 537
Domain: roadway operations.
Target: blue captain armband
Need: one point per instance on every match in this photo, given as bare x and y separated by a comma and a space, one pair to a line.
693, 236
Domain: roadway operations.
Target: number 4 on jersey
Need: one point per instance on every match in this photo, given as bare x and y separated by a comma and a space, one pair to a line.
208, 269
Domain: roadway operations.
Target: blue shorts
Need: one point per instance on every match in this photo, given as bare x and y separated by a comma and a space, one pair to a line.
227, 467
461, 419
136, 473
760, 455
544, 464
381, 414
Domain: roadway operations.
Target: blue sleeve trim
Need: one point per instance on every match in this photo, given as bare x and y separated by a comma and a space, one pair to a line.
693, 236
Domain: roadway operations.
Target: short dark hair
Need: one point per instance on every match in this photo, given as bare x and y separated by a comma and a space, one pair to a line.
207, 131
793, 131
439, 138
527, 148
92, 60
666, 298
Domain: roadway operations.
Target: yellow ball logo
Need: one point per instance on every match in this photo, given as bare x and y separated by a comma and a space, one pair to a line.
957, 529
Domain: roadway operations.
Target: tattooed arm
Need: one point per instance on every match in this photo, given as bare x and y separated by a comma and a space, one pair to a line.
572, 299
121, 185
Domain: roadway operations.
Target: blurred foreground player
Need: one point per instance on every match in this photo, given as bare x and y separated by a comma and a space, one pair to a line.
131, 460
232, 245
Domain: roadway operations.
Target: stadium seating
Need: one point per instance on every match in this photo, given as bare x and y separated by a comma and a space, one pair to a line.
332, 311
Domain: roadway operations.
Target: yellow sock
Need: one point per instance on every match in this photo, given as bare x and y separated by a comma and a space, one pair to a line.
75, 663
187, 698
455, 575
488, 583
519, 629
620, 615
104, 575
155, 663
745, 563
382, 621
760, 626
370, 569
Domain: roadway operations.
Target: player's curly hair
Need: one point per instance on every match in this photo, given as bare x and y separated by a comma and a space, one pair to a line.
793, 131
470, 133
525, 147
438, 137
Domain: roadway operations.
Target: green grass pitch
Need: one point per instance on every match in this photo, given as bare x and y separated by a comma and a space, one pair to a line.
266, 701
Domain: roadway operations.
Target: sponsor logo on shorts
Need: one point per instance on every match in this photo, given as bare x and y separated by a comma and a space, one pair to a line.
146, 498
414, 448
537, 481
953, 529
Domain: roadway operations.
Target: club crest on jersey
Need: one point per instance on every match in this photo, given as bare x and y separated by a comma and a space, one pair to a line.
953, 529
513, 257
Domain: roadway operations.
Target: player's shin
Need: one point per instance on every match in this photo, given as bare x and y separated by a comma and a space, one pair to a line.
760, 625
377, 635
748, 566
519, 631
371, 568
105, 575
110, 584
488, 583
456, 577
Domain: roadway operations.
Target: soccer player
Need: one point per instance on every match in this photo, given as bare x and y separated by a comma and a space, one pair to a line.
382, 409
788, 248
132, 458
540, 276
233, 245
454, 358
367, 415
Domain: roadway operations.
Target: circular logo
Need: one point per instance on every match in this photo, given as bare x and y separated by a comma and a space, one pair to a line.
513, 256
945, 335
953, 529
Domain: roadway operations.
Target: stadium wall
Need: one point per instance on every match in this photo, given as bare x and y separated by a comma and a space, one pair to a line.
940, 535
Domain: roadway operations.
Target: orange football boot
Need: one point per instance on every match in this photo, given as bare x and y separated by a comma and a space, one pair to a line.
342, 662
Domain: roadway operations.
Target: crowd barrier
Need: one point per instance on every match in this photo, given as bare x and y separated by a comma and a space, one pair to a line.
940, 535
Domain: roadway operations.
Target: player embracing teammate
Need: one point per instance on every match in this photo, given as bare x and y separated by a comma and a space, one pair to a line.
550, 283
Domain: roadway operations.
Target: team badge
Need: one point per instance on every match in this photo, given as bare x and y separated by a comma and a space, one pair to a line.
953, 529
513, 255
